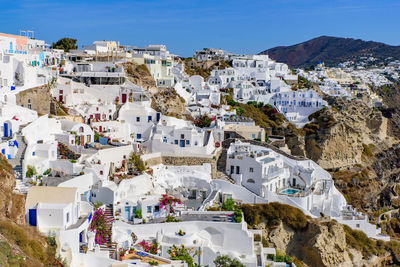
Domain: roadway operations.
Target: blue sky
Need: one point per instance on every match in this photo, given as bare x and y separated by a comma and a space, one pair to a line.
239, 26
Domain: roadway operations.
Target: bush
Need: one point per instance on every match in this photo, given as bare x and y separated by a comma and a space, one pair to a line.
97, 204
272, 213
138, 214
137, 162
226, 261
31, 171
203, 121
367, 150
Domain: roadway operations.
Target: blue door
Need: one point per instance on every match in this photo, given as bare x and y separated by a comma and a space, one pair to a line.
3, 151
149, 118
158, 116
81, 236
182, 143
5, 130
127, 213
32, 217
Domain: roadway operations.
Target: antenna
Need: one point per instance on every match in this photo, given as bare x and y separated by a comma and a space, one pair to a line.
27, 33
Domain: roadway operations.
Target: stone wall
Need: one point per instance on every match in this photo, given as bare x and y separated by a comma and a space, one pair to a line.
37, 98
186, 161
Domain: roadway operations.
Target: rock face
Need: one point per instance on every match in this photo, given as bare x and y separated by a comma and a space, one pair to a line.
12, 205
164, 100
168, 102
38, 98
337, 137
139, 75
321, 244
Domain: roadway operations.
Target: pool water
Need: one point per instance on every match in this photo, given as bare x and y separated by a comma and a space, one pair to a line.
290, 191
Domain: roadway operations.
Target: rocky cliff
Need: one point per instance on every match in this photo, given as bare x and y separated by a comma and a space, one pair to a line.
20, 244
317, 242
338, 137
164, 100
12, 205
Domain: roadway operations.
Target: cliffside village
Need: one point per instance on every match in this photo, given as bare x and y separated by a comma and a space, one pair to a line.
117, 182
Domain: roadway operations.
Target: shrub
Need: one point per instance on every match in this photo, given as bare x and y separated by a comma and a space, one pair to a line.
149, 247
226, 261
183, 253
172, 219
31, 171
367, 150
137, 162
97, 204
272, 213
138, 214
203, 121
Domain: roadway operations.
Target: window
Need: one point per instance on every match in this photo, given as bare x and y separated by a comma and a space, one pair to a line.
67, 217
176, 142
156, 208
182, 136
148, 209
251, 181
81, 129
251, 170
195, 143
137, 119
29, 100
101, 172
358, 225
29, 106
149, 118
187, 142
253, 136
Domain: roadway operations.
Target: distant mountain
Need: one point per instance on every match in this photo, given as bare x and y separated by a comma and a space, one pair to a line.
331, 50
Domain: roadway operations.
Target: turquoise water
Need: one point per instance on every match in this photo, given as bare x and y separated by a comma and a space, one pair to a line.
290, 191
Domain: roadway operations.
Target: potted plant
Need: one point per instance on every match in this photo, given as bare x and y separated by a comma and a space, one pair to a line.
181, 233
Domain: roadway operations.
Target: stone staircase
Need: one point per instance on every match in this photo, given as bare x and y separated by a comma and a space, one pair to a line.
21, 187
17, 161
109, 246
223, 176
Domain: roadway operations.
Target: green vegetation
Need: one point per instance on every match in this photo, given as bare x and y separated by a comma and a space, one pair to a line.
263, 115
203, 121
226, 261
47, 172
8, 257
137, 162
184, 254
172, 219
273, 213
65, 44
31, 171
138, 214
367, 150
97, 205
37, 248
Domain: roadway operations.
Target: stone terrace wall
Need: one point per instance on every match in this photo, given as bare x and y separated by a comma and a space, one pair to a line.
185, 161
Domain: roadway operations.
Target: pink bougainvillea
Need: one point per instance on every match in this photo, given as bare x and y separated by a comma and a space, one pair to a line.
149, 247
168, 203
99, 225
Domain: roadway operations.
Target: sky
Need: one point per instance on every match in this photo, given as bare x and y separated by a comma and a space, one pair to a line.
238, 26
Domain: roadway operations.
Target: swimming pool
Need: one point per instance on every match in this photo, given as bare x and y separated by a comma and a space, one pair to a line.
290, 191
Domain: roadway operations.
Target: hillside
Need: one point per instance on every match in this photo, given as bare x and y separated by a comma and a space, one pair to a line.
20, 245
316, 242
330, 50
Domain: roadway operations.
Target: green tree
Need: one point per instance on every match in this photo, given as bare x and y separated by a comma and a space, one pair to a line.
137, 162
226, 261
65, 44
